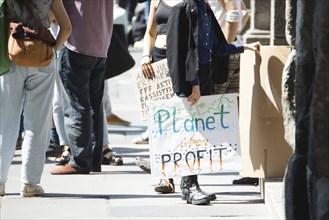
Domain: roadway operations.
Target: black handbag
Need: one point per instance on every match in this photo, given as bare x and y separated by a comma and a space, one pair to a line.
119, 59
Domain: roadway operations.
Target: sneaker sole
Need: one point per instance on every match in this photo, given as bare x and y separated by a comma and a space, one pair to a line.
31, 194
143, 167
61, 163
199, 202
212, 197
141, 142
146, 170
116, 163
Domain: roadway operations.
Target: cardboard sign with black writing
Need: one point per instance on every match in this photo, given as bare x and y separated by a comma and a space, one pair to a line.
159, 88
190, 139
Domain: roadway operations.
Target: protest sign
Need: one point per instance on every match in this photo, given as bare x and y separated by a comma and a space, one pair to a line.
158, 88
190, 139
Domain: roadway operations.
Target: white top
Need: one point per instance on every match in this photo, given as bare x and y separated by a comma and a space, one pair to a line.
222, 16
119, 15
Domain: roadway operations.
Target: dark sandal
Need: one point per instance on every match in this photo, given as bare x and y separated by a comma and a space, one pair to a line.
113, 160
53, 150
64, 158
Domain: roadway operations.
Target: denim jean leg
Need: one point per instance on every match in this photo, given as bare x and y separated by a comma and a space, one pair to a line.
77, 114
21, 125
96, 96
77, 73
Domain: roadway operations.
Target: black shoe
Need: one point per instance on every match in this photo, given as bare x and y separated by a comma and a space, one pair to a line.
64, 158
212, 196
246, 181
96, 168
114, 159
189, 186
165, 186
54, 150
197, 197
19, 143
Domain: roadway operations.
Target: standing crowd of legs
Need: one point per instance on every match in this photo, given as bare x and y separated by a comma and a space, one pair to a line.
72, 123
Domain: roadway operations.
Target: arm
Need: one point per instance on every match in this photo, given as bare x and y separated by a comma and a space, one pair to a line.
232, 8
245, 15
149, 40
63, 21
228, 49
195, 95
255, 46
52, 18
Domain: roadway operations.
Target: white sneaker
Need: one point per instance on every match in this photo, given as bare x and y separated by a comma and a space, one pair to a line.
142, 139
2, 189
143, 164
29, 190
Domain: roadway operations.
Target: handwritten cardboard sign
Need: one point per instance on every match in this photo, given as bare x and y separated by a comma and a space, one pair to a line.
158, 88
187, 140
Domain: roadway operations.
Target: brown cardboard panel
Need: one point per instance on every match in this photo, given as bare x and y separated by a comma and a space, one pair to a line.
252, 154
260, 81
264, 151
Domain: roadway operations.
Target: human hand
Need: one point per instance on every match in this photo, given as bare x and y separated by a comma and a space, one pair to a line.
147, 68
255, 46
195, 95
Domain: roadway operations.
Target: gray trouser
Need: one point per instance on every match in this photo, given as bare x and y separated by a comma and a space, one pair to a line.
30, 88
233, 80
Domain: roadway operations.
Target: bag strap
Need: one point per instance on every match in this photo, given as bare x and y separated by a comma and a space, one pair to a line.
20, 31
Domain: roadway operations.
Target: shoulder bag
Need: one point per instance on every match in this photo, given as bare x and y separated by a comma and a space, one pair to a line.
30, 47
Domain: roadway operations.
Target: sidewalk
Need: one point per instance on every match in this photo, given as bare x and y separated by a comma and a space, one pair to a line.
126, 192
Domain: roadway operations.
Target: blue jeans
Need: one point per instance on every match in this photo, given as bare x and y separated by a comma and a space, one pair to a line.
83, 81
21, 125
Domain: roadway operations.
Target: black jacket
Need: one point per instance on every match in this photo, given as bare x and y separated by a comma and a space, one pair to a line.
182, 50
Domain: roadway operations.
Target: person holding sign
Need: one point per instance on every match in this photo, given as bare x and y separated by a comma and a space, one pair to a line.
196, 48
155, 41
232, 16
154, 49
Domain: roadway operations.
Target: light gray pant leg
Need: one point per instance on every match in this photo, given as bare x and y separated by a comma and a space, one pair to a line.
106, 99
39, 88
11, 102
58, 113
105, 132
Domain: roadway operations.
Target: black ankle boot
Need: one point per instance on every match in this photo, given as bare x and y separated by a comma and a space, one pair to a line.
191, 191
246, 181
187, 181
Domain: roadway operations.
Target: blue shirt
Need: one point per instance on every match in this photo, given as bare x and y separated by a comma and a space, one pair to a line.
205, 34
208, 43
